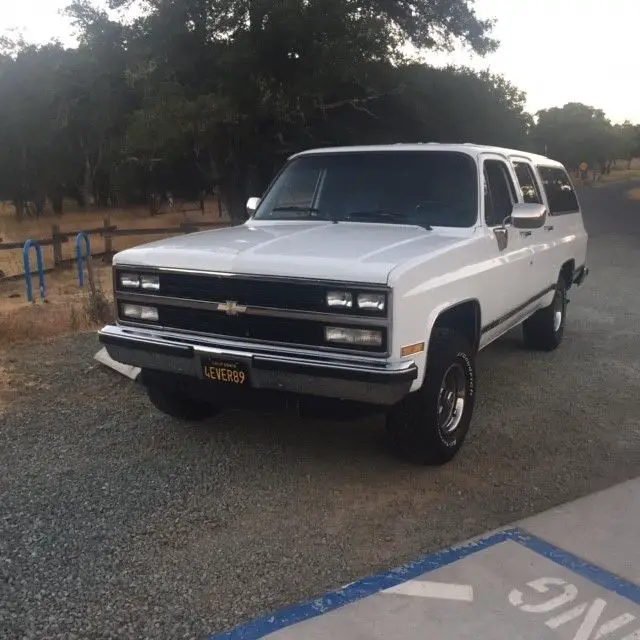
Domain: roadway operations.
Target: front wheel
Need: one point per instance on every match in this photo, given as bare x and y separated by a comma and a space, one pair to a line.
171, 399
430, 425
544, 330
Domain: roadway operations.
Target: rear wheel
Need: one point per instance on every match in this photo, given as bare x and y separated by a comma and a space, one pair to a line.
430, 425
169, 397
544, 330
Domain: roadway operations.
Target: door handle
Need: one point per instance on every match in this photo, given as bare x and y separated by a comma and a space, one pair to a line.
548, 227
525, 234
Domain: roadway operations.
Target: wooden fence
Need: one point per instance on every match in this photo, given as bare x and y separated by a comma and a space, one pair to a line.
108, 232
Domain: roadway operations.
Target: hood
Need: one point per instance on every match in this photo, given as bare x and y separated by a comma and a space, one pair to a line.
357, 252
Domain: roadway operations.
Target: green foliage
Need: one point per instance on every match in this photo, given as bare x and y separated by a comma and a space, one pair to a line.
203, 94
579, 133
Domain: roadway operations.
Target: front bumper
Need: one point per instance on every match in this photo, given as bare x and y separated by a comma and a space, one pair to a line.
379, 383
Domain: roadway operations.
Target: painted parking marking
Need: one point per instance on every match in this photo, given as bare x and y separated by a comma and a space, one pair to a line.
436, 590
541, 585
540, 592
589, 613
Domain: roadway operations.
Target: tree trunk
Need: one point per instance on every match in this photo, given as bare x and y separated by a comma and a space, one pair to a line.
87, 188
154, 203
18, 205
57, 204
39, 203
234, 200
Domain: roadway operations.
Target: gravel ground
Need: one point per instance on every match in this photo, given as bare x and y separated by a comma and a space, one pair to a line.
116, 522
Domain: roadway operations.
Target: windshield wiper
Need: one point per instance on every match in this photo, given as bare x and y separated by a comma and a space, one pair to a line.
295, 207
387, 214
300, 208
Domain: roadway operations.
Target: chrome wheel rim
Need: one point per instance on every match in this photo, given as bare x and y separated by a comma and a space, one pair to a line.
558, 311
451, 399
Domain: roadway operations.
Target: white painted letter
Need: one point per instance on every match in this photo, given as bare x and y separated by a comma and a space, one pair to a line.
541, 585
591, 620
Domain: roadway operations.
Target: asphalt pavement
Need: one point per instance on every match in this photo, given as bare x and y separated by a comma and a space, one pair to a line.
117, 522
571, 573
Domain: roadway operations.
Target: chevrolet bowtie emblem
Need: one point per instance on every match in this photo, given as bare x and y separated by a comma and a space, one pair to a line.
231, 307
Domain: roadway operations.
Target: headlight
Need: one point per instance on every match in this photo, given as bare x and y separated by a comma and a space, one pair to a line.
339, 299
371, 301
130, 280
139, 312
135, 281
150, 283
358, 337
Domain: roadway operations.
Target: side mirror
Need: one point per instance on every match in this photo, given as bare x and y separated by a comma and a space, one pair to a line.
528, 216
252, 205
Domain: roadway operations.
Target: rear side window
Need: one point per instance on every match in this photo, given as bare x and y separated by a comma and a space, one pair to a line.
527, 182
560, 193
499, 192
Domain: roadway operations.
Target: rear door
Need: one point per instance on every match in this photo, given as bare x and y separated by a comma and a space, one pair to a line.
565, 237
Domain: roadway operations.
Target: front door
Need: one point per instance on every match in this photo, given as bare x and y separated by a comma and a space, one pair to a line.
509, 285
544, 271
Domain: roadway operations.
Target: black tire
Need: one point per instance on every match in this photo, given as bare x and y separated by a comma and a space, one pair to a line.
173, 401
417, 424
544, 330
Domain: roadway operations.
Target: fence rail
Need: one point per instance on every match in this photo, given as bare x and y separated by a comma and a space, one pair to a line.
107, 231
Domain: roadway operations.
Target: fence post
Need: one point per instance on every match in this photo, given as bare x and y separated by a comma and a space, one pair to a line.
79, 258
27, 270
57, 244
108, 240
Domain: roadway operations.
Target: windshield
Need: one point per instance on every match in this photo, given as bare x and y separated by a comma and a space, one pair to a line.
426, 188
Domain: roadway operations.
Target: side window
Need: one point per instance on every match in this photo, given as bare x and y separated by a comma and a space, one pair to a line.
559, 191
500, 192
527, 182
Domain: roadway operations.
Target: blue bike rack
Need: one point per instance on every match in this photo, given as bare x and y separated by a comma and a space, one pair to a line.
81, 259
28, 245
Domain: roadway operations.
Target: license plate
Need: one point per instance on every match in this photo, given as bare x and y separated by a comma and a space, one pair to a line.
225, 372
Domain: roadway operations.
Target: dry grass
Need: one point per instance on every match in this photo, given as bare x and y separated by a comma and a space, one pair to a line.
621, 173
40, 228
68, 308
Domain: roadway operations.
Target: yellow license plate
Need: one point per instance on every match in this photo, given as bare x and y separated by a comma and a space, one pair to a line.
224, 372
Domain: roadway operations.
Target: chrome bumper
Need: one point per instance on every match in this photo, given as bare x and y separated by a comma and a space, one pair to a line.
383, 383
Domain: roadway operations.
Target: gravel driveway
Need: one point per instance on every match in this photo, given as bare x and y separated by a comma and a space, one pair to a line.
116, 522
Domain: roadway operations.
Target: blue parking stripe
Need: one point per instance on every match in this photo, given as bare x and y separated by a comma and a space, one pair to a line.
591, 572
357, 590
371, 585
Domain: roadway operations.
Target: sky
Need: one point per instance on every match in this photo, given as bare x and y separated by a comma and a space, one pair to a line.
557, 51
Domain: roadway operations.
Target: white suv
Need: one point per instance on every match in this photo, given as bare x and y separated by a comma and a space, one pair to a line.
366, 278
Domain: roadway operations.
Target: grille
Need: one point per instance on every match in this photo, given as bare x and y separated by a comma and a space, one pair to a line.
258, 328
258, 293
284, 295
288, 295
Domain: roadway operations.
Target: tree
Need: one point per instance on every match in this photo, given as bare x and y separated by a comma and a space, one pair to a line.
30, 118
627, 141
254, 80
195, 95
576, 133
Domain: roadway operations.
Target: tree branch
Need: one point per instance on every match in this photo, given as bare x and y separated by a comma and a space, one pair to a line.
358, 103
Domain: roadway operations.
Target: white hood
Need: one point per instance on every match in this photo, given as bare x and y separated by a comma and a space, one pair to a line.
357, 252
